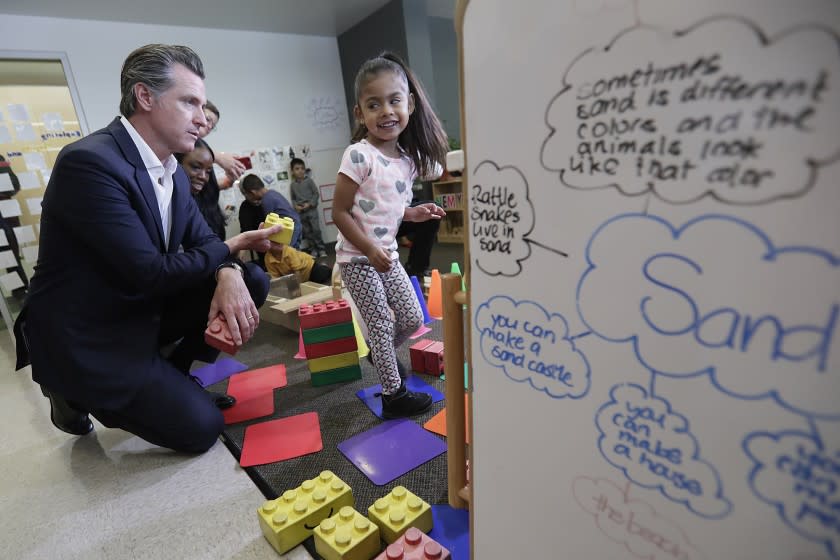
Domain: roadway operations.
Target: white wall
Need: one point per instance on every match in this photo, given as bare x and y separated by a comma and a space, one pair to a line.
261, 82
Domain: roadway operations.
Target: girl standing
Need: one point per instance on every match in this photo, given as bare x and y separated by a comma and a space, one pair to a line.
397, 139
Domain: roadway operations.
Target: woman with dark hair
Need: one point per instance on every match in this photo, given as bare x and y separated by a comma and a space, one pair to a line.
198, 165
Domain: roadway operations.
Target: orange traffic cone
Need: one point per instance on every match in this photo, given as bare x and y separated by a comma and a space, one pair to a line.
436, 296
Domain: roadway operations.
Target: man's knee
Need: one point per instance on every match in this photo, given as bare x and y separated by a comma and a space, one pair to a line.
203, 434
257, 282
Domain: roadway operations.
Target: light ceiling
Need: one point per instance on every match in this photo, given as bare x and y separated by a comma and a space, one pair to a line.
304, 17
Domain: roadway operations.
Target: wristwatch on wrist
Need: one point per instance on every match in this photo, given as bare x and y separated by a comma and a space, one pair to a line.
229, 264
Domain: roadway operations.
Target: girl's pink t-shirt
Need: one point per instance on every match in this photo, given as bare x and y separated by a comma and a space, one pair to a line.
380, 202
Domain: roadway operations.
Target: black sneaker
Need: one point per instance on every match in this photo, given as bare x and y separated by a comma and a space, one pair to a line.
405, 403
221, 400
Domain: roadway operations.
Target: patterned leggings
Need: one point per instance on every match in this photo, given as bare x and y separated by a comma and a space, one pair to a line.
376, 295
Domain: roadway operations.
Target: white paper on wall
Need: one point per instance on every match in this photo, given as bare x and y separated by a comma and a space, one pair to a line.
4, 241
18, 112
34, 205
25, 132
11, 281
6, 183
30, 254
9, 208
7, 260
34, 161
29, 180
5, 136
53, 122
24, 234
45, 175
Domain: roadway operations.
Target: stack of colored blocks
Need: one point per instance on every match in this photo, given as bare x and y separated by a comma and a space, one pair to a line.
415, 545
398, 511
289, 520
330, 342
427, 357
284, 236
348, 535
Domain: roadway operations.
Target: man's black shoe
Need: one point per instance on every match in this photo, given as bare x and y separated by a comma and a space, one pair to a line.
222, 401
66, 417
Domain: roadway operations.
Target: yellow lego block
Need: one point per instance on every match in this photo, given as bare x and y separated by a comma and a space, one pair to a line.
348, 535
334, 362
284, 236
290, 519
398, 511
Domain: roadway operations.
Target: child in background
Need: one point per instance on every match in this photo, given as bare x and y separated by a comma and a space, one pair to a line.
283, 259
397, 139
305, 198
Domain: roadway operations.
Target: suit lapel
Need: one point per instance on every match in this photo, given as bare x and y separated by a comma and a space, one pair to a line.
141, 175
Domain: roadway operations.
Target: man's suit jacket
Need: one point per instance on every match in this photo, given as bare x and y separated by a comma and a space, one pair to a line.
92, 318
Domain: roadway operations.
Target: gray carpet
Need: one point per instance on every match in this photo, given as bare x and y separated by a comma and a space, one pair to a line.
341, 415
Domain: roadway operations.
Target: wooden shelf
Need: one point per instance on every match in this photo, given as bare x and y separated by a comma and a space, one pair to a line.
451, 193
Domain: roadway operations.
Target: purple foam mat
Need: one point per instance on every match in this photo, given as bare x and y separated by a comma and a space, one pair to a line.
391, 449
222, 369
412, 383
452, 530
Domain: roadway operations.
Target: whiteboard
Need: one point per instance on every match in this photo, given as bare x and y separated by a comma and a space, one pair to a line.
655, 278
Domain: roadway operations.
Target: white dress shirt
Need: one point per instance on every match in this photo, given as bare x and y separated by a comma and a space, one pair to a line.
160, 174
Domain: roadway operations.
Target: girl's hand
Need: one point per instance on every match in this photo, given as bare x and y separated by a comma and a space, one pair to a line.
380, 259
424, 212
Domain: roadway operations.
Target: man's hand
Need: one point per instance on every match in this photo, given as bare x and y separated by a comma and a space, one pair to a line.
255, 240
232, 299
424, 212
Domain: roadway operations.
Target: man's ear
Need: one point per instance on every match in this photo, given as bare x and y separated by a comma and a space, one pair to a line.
145, 97
410, 103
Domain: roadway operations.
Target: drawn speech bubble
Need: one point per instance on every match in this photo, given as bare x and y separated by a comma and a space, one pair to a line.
716, 296
720, 109
532, 345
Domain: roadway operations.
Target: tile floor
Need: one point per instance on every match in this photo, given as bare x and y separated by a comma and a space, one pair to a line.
110, 495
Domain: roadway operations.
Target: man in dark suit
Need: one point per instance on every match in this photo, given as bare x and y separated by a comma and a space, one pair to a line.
127, 266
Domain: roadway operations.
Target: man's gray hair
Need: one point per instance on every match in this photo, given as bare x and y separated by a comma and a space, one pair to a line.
152, 65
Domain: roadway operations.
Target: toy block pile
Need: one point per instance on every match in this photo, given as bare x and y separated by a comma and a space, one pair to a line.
284, 236
400, 519
330, 342
290, 519
427, 357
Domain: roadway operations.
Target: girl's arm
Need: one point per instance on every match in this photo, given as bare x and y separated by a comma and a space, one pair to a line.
345, 192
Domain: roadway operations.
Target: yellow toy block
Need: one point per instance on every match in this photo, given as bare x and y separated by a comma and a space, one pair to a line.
348, 535
284, 236
334, 362
398, 511
290, 519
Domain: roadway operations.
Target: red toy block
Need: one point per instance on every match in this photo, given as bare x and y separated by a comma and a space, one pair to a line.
418, 359
218, 335
415, 545
330, 347
324, 314
433, 354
